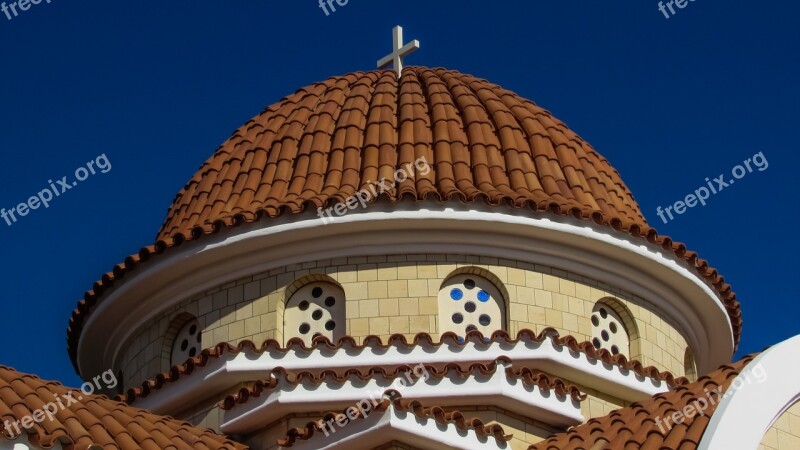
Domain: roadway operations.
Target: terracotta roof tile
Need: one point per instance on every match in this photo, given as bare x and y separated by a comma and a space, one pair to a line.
323, 143
393, 398
320, 342
93, 420
635, 427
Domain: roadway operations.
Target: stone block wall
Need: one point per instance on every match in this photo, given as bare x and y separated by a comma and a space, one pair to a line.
398, 294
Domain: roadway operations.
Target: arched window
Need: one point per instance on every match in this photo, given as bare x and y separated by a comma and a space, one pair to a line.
315, 309
608, 330
187, 341
470, 302
689, 366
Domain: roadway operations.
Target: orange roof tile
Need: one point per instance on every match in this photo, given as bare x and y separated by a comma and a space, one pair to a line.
636, 427
93, 420
327, 141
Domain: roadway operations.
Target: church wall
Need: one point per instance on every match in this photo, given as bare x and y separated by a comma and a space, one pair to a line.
525, 431
207, 413
267, 439
784, 434
398, 294
598, 404
396, 446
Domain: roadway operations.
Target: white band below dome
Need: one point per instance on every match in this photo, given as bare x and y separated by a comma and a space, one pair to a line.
582, 247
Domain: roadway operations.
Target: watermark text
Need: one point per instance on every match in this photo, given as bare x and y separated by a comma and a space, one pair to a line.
100, 164
703, 193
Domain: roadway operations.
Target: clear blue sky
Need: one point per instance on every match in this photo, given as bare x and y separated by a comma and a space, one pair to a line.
157, 86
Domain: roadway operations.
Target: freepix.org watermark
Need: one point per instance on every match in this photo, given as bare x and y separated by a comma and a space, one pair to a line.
678, 3
59, 403
23, 6
703, 193
714, 396
363, 407
101, 164
374, 189
329, 4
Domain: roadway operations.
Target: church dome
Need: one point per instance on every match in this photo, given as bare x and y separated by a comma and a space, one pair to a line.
321, 145
467, 178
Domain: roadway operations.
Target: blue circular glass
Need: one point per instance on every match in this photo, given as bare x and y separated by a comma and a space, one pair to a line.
483, 296
456, 294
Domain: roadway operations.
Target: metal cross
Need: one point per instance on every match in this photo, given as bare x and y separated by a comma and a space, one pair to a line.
399, 51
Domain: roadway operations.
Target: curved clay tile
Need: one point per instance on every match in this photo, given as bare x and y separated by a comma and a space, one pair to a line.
642, 425
92, 421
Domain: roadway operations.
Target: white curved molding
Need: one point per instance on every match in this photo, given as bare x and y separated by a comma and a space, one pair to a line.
220, 374
496, 389
671, 287
392, 425
23, 443
762, 392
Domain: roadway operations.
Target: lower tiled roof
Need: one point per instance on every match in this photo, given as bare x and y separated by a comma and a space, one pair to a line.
638, 426
92, 420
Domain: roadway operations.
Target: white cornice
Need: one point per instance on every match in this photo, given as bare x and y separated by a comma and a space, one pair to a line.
762, 392
23, 443
220, 374
393, 425
495, 389
668, 283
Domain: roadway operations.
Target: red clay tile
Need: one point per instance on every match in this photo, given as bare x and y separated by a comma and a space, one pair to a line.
635, 427
94, 420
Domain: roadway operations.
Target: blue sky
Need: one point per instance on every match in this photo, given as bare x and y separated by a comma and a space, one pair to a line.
157, 86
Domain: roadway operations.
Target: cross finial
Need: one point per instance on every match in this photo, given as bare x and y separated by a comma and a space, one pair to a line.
399, 51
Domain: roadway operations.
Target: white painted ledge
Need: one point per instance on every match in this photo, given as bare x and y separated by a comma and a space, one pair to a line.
393, 425
668, 285
229, 370
766, 388
476, 390
23, 443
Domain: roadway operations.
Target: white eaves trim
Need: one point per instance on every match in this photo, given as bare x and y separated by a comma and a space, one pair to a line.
229, 370
451, 390
762, 392
23, 443
665, 282
406, 427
